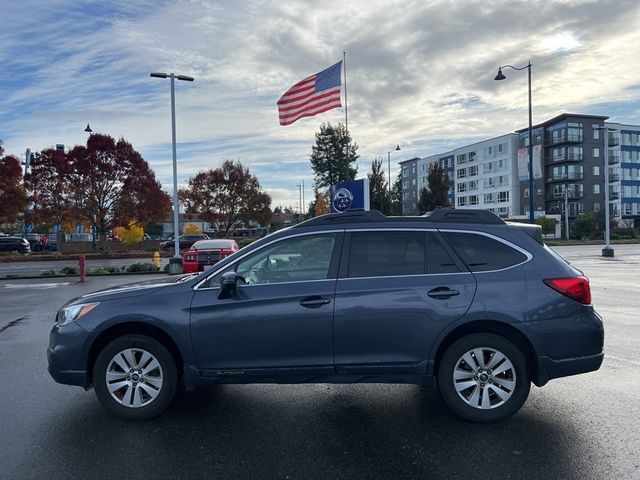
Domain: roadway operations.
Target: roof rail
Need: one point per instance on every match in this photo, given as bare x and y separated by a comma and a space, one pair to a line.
468, 215
346, 217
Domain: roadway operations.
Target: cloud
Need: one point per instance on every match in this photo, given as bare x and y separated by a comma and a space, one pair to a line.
419, 74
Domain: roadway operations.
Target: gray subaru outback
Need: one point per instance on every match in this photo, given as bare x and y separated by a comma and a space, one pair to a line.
457, 298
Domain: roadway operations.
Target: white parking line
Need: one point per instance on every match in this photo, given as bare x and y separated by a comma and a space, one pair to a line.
37, 286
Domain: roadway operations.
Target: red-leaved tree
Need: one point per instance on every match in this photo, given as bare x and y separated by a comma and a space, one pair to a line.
13, 198
227, 195
114, 186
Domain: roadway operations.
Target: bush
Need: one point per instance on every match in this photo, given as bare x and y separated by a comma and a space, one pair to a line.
245, 241
142, 267
103, 270
49, 273
69, 271
585, 226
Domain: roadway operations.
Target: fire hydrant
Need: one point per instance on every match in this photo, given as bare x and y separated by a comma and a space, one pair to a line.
156, 259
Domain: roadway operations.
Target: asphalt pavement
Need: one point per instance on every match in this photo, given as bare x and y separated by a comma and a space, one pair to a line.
582, 427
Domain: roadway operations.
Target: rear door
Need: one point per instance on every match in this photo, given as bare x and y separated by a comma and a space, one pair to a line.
396, 291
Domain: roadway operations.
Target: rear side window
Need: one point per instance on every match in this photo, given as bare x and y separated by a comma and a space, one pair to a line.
438, 259
377, 254
482, 253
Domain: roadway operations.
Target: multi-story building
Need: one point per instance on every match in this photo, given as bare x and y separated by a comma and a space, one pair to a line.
568, 170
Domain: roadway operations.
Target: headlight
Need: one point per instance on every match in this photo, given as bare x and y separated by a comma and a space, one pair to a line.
67, 315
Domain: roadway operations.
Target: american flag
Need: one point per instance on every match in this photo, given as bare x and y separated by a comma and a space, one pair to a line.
315, 94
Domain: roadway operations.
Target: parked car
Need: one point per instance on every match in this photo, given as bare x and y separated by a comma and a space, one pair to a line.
458, 298
205, 253
185, 241
14, 244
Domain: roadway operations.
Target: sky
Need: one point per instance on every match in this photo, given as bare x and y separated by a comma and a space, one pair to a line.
420, 74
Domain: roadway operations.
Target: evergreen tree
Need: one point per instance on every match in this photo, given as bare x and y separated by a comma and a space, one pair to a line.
436, 194
329, 159
378, 188
396, 196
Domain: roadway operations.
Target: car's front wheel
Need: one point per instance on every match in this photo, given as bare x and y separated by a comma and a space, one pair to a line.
484, 377
135, 377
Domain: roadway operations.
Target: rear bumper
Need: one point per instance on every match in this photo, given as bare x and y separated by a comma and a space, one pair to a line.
549, 368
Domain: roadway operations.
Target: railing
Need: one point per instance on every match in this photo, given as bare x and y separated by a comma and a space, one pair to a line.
614, 160
614, 177
614, 195
614, 140
565, 177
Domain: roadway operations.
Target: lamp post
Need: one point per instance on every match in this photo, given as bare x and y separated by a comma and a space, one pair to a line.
93, 210
500, 76
607, 251
176, 218
397, 149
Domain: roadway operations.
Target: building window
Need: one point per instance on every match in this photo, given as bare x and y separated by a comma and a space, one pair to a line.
413, 182
526, 193
501, 147
596, 170
462, 201
461, 159
488, 198
472, 156
503, 196
413, 169
596, 189
462, 187
473, 170
405, 184
596, 206
405, 171
462, 173
596, 132
489, 182
473, 199
596, 152
473, 185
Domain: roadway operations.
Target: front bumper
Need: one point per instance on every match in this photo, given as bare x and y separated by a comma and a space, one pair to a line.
67, 363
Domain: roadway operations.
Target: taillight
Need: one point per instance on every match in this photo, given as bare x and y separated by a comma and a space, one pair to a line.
576, 288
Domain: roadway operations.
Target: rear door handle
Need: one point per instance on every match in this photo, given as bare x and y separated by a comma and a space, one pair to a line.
314, 301
442, 293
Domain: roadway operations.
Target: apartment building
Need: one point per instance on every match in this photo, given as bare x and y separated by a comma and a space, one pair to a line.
568, 170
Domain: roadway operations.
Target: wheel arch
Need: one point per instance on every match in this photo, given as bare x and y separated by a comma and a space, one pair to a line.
132, 328
505, 330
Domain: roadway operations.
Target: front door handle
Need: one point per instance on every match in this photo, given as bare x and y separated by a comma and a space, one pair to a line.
442, 293
314, 301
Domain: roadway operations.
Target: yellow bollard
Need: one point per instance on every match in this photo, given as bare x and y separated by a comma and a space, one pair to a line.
156, 259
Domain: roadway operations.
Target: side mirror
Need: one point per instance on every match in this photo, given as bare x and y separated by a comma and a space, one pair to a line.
228, 282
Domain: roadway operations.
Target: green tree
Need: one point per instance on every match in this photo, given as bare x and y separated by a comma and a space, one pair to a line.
436, 194
396, 196
585, 226
548, 224
329, 156
378, 188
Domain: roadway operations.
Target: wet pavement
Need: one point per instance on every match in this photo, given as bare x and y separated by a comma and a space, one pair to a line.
582, 427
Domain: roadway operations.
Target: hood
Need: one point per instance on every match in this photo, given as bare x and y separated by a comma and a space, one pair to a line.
133, 289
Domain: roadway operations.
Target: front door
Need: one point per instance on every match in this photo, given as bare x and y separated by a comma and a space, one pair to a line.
280, 320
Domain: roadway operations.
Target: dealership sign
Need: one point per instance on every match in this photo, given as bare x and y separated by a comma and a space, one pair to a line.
349, 196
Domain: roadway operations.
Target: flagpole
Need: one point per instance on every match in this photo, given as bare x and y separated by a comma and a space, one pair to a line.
346, 116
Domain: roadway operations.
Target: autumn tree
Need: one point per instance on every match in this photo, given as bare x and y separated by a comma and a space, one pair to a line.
436, 194
51, 189
378, 188
329, 159
113, 185
132, 235
191, 228
227, 195
13, 198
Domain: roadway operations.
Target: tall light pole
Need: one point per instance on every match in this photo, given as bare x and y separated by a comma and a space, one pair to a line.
93, 210
176, 218
299, 201
397, 149
500, 76
607, 251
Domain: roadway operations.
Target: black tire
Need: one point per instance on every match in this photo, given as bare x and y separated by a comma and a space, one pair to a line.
166, 375
499, 409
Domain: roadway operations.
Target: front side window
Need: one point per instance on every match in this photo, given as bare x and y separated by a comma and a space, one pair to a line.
482, 253
292, 260
378, 254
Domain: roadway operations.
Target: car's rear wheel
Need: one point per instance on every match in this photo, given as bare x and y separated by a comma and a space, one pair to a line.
135, 377
484, 377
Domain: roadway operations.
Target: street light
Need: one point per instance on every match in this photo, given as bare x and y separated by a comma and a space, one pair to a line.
397, 149
176, 220
607, 251
500, 76
88, 129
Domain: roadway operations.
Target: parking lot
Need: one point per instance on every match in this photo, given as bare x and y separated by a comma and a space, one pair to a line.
582, 427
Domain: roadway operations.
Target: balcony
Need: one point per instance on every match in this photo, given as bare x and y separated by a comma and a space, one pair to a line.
565, 177
614, 195
614, 140
560, 196
614, 159
614, 177
567, 157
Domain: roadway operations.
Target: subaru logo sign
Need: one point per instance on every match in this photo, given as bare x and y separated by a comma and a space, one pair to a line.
342, 200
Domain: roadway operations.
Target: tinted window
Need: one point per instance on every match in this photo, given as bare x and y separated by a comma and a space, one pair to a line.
482, 253
438, 260
295, 259
375, 254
